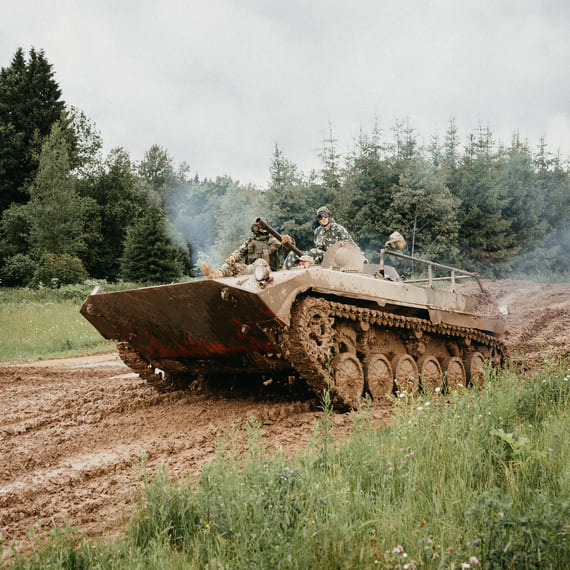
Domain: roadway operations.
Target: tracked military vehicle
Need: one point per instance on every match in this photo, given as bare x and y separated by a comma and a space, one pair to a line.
346, 324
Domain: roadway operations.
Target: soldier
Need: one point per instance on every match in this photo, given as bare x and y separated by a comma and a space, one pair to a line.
261, 245
306, 261
327, 233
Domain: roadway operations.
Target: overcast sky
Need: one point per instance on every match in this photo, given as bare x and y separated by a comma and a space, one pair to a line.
219, 82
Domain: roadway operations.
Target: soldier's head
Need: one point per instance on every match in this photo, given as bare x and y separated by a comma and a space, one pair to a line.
323, 215
257, 229
306, 261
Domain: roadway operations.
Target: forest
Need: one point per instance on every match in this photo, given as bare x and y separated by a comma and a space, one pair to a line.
70, 213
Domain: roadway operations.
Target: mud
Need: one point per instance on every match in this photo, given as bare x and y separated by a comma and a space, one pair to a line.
73, 432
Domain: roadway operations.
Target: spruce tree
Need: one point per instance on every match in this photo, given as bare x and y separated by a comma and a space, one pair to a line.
30, 103
150, 255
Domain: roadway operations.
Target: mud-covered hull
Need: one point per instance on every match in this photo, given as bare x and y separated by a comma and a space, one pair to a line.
249, 325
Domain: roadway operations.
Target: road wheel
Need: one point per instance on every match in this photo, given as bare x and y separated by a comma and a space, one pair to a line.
430, 373
405, 373
379, 376
454, 372
348, 379
475, 369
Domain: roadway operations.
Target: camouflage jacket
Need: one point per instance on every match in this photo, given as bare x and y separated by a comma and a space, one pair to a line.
257, 246
326, 236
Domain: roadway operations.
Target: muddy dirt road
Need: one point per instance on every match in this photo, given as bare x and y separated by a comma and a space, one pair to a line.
73, 431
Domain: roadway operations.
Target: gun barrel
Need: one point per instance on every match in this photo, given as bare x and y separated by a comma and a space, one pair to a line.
276, 234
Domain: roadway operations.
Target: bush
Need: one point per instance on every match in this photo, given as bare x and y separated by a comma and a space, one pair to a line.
56, 270
17, 270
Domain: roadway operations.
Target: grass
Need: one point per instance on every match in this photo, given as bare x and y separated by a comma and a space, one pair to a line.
46, 323
471, 478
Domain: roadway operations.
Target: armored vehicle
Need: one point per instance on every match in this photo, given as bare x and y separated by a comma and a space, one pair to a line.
352, 326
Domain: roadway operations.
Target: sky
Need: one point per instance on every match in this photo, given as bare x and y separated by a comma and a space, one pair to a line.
218, 83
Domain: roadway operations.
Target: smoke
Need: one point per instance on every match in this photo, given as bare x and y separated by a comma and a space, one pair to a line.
213, 217
549, 261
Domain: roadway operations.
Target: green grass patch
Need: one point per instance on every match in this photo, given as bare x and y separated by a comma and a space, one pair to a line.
477, 478
46, 323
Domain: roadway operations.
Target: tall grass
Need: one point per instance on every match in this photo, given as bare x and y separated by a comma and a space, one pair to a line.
478, 479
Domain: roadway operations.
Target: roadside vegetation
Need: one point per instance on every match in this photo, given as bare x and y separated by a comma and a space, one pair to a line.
46, 323
467, 479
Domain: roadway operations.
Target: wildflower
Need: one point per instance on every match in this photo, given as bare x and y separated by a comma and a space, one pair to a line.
465, 565
474, 560
398, 549
426, 404
389, 464
438, 389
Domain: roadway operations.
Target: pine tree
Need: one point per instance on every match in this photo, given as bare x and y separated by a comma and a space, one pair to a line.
486, 243
367, 183
287, 206
29, 105
150, 255
424, 211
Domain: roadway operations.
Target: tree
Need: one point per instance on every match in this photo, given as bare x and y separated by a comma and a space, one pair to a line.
30, 103
150, 255
84, 142
525, 203
157, 169
424, 211
367, 184
56, 213
486, 243
287, 205
330, 169
114, 188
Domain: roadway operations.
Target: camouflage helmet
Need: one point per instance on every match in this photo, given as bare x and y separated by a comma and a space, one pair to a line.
255, 227
323, 212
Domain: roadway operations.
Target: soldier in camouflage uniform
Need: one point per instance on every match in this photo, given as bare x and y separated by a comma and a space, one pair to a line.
261, 245
327, 233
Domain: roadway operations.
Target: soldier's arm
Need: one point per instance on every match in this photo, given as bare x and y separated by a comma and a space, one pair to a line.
275, 245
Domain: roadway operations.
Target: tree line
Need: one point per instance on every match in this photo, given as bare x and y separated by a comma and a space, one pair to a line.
67, 212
